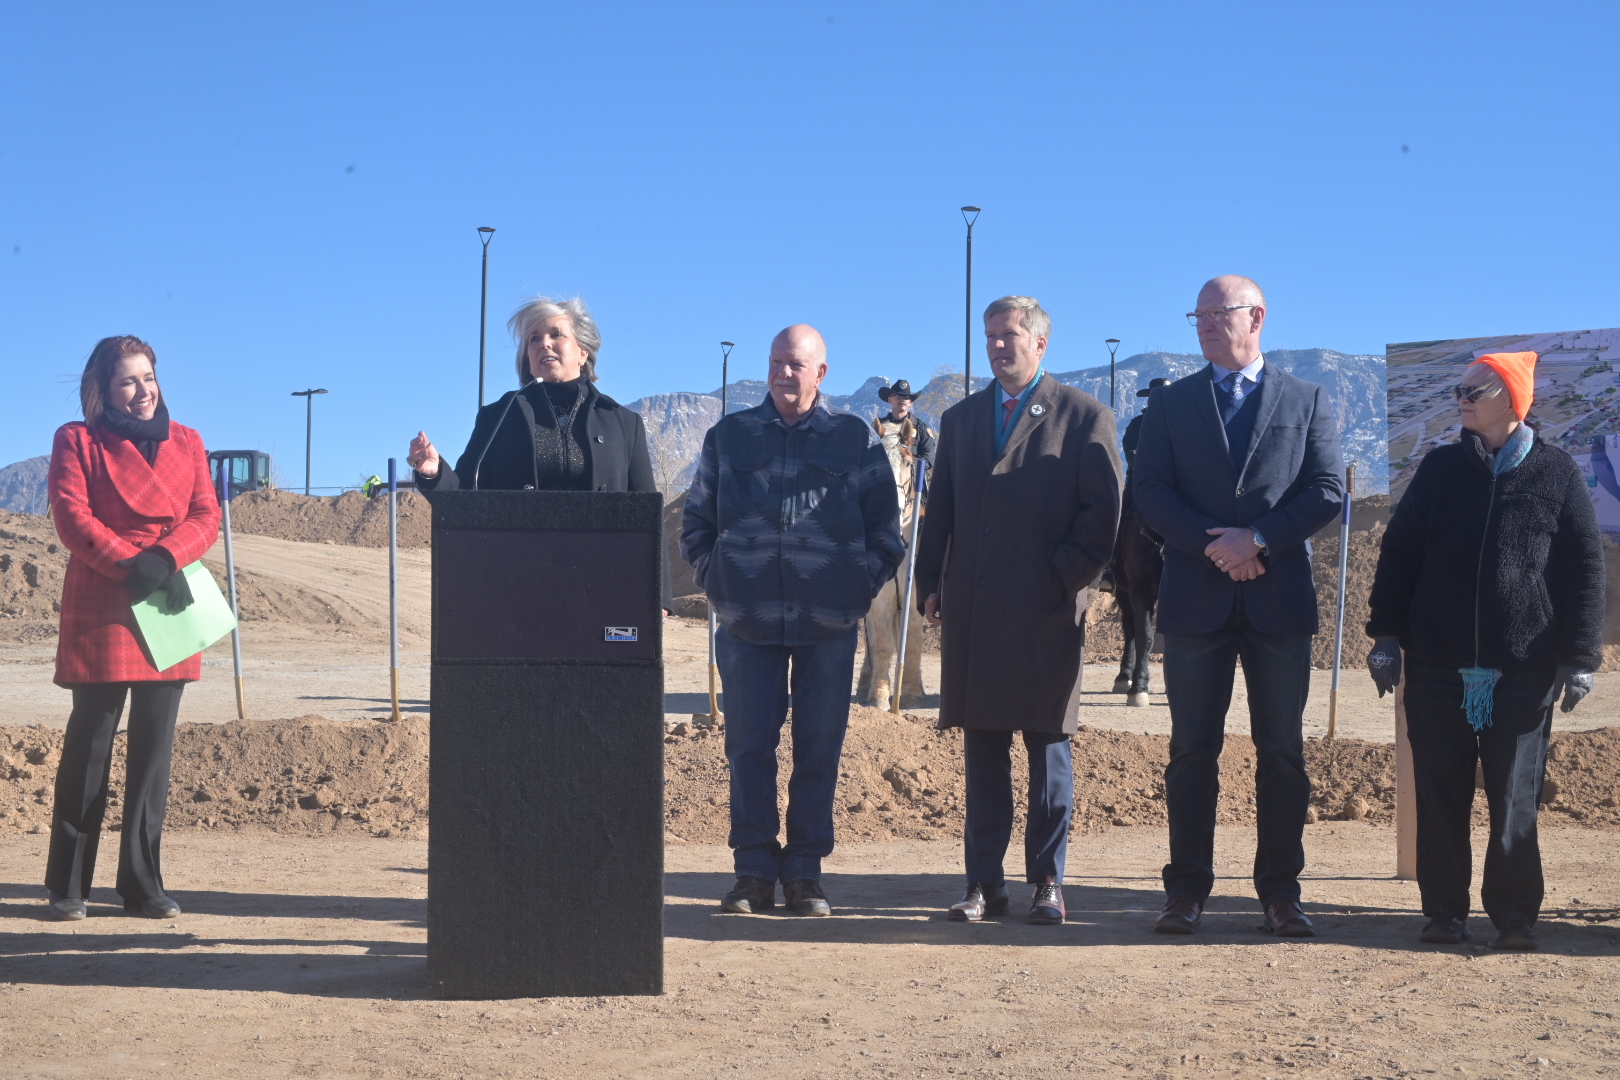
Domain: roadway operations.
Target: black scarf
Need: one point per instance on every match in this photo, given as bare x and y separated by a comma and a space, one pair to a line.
145, 434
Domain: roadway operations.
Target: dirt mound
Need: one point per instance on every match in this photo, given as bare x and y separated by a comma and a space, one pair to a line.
901, 778
307, 776
350, 518
32, 563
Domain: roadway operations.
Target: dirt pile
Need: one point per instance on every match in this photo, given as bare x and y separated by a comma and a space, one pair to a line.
306, 776
350, 518
32, 563
901, 779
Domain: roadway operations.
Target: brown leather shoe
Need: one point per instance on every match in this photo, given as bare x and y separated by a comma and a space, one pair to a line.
1180, 916
1285, 919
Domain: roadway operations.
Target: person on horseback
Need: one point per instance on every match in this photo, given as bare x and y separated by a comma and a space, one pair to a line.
901, 399
902, 433
1133, 576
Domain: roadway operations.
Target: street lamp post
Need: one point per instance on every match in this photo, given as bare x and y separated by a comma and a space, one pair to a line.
1113, 347
486, 234
309, 428
967, 327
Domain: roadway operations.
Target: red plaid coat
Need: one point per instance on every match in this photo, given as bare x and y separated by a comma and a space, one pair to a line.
109, 504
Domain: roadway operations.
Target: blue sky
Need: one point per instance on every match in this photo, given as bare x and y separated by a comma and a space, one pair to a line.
699, 172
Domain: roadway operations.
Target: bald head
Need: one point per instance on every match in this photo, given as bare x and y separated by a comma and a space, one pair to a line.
1232, 289
798, 364
802, 340
1231, 310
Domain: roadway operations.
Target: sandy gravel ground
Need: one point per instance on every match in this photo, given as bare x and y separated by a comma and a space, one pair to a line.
301, 958
340, 669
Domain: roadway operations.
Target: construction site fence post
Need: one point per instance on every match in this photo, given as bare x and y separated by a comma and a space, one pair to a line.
911, 582
393, 590
230, 584
1344, 588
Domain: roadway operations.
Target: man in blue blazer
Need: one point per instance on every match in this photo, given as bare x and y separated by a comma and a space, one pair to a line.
1237, 466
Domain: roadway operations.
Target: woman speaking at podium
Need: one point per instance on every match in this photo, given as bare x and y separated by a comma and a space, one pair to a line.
557, 432
131, 497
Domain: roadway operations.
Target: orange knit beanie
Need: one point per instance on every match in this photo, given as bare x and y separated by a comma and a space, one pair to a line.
1518, 373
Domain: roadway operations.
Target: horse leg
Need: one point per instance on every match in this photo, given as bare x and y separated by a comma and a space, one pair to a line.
911, 686
1143, 648
1127, 653
883, 644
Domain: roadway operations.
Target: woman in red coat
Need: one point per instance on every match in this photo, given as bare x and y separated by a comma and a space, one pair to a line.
132, 499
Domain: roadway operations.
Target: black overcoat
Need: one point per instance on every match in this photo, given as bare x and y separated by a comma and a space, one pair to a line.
1479, 570
504, 434
1008, 542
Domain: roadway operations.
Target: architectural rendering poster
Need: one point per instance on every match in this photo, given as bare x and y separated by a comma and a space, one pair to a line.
1577, 409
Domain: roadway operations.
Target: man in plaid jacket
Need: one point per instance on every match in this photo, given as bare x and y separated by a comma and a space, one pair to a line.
791, 527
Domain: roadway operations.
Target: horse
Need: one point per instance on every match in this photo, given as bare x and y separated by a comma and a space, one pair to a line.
1138, 564
882, 623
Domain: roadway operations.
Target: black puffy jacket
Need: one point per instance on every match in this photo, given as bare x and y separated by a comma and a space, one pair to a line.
1491, 571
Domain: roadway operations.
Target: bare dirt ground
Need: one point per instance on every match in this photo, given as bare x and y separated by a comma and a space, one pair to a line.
300, 958
295, 847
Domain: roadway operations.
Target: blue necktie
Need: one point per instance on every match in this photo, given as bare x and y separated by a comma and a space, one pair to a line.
1231, 396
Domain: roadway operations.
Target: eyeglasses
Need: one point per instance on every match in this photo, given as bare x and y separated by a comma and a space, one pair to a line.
1474, 393
1214, 314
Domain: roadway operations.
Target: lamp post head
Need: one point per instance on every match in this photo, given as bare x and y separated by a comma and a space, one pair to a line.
485, 229
728, 345
306, 393
1113, 345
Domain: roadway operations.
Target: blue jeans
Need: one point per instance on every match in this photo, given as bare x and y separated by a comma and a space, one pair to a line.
757, 680
990, 805
1198, 676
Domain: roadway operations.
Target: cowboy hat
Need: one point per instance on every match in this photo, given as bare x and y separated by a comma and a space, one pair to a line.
901, 388
1153, 384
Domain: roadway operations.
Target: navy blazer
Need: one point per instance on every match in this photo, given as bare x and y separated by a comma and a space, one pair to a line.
1290, 485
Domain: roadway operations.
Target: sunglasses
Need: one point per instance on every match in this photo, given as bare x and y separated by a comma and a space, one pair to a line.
1474, 393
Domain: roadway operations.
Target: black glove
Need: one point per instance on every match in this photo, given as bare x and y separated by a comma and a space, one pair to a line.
177, 594
1384, 664
147, 573
1573, 683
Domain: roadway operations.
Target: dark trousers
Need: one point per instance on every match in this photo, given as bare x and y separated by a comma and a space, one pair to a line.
990, 805
1512, 753
757, 680
81, 787
1198, 674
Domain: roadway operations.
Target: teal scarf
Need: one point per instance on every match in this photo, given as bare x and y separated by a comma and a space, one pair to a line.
1479, 683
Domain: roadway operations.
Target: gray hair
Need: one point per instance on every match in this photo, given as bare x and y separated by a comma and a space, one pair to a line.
1033, 316
542, 308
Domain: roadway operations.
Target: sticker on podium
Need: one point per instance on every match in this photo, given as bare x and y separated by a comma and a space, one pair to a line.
619, 633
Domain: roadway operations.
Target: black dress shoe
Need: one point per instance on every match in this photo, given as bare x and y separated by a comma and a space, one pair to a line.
1046, 906
1285, 919
157, 907
1445, 930
750, 896
66, 908
1518, 939
804, 897
980, 900
1181, 915
153, 907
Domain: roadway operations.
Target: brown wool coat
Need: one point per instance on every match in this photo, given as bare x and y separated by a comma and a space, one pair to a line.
1008, 543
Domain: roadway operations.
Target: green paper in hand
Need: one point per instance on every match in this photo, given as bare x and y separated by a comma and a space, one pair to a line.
172, 638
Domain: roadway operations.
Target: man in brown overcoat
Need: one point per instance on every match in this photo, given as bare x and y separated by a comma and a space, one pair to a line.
1021, 518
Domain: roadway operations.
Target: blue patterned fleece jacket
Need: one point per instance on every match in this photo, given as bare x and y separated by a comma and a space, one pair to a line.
791, 531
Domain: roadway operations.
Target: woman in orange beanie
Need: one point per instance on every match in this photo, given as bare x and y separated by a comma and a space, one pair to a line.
1490, 581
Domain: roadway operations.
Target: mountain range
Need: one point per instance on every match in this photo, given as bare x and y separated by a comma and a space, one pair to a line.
677, 422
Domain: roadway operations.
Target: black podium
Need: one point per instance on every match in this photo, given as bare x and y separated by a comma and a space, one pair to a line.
546, 849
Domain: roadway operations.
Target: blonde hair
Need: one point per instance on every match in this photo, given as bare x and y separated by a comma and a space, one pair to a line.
1034, 317
542, 308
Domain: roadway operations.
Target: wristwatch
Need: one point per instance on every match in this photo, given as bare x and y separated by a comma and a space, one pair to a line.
1259, 541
